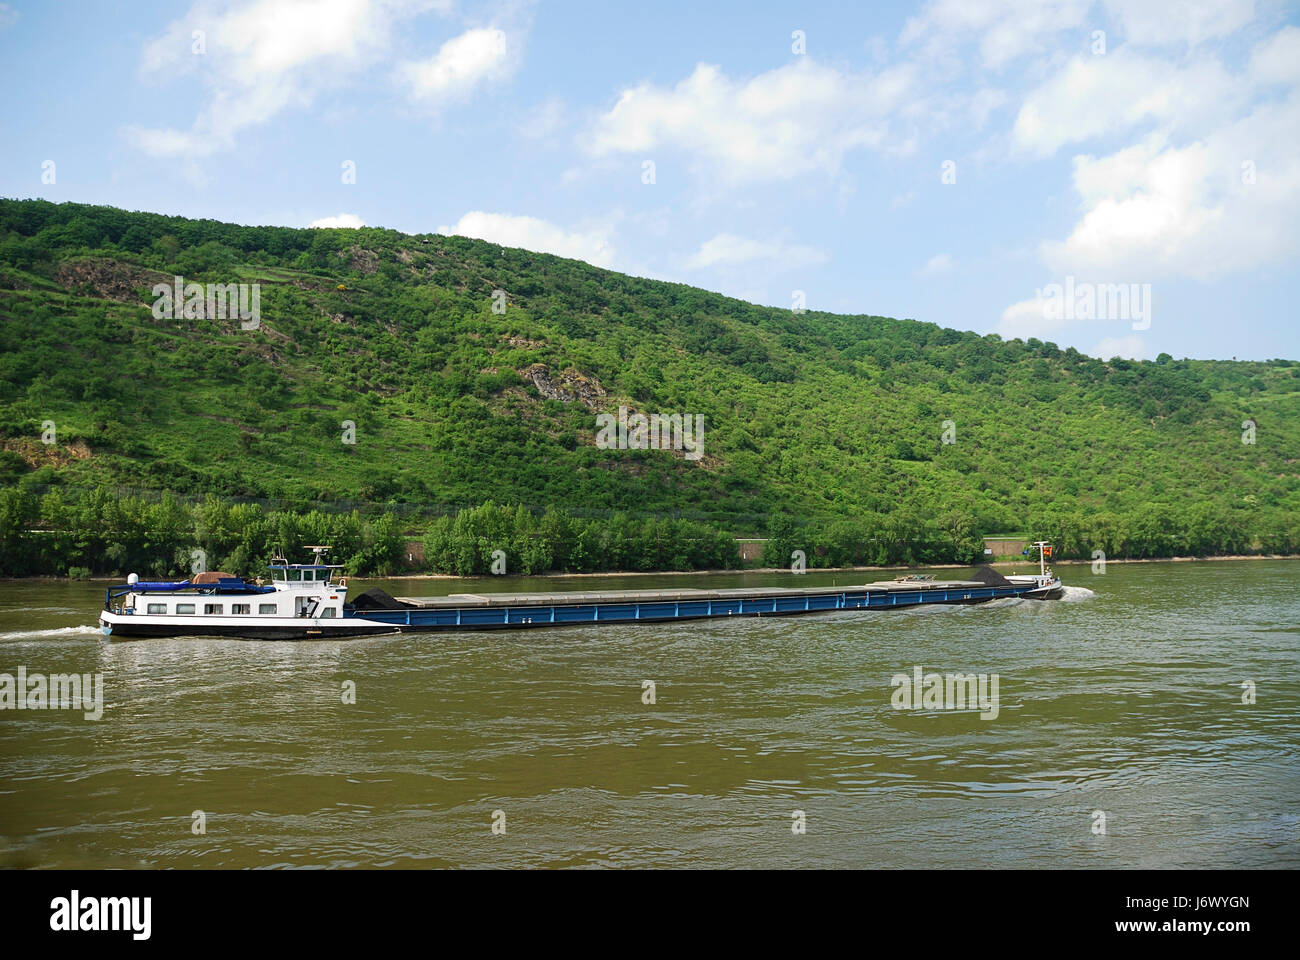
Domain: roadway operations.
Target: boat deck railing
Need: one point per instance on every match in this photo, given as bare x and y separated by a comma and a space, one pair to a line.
225, 587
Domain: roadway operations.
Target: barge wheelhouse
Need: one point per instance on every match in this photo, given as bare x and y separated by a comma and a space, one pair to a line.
298, 601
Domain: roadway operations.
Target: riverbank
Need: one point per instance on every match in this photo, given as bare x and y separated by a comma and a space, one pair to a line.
1000, 562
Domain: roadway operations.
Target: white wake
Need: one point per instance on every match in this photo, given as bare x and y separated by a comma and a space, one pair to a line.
86, 631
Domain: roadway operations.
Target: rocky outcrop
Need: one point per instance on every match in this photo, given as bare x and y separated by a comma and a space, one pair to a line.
361, 260
565, 387
109, 278
38, 454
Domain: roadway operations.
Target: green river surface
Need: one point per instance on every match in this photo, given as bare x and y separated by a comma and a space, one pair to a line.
1125, 697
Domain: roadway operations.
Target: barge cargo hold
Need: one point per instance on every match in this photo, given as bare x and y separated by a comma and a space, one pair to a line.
304, 602
494, 611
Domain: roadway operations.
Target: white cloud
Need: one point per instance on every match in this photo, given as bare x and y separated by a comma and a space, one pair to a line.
1004, 29
1174, 22
939, 263
1098, 96
263, 56
790, 121
1130, 348
591, 244
8, 16
983, 102
1007, 31
349, 221
544, 120
727, 249
1277, 59
1154, 210
1208, 184
460, 65
1028, 318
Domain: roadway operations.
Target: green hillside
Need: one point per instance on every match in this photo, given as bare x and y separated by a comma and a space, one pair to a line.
817, 425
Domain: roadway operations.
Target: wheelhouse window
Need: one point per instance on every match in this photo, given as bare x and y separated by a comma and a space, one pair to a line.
241, 608
212, 608
295, 576
156, 608
329, 612
184, 608
266, 608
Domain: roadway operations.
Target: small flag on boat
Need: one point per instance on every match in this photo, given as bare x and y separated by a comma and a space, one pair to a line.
1047, 551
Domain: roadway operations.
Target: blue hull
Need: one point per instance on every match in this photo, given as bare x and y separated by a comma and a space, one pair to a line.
507, 616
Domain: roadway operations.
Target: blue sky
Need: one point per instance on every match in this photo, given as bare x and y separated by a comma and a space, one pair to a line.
1115, 143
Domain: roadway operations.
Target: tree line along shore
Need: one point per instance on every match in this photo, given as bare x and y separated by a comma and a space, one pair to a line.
97, 533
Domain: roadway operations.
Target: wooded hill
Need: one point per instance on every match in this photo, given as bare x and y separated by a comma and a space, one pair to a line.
818, 425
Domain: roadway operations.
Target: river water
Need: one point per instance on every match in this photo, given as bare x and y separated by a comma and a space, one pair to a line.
1123, 700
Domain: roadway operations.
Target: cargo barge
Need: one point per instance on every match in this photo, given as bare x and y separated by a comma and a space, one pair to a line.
309, 601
